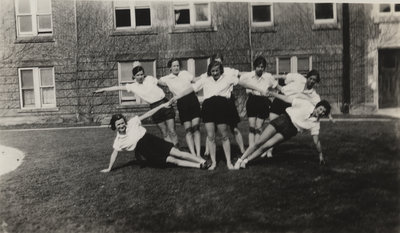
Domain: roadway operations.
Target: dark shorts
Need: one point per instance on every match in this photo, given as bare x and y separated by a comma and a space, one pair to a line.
162, 114
283, 125
279, 106
235, 118
188, 107
258, 106
154, 149
217, 109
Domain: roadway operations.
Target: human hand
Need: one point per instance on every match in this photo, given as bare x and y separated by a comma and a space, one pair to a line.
98, 91
106, 170
321, 159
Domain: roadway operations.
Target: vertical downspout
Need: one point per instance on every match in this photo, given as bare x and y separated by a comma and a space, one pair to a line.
250, 44
77, 87
346, 59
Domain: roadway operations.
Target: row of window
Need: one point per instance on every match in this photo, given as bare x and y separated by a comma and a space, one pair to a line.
34, 17
37, 85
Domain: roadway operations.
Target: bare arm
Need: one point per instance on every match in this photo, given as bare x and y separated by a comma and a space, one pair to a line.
154, 110
114, 88
249, 85
285, 98
319, 149
112, 160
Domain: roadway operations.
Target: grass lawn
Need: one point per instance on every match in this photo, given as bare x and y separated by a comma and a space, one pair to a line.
59, 187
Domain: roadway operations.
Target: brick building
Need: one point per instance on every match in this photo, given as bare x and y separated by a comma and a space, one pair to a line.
55, 53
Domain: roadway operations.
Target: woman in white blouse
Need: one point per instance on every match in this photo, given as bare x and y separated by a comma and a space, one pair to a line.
179, 83
257, 105
146, 88
216, 108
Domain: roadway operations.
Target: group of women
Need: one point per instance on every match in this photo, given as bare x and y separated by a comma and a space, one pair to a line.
218, 112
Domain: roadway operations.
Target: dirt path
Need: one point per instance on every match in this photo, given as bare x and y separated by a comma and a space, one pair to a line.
10, 159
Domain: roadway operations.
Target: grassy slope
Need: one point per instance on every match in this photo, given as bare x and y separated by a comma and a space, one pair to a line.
58, 187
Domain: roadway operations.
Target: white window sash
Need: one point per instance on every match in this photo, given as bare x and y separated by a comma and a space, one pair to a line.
132, 6
262, 24
34, 17
326, 21
37, 89
192, 12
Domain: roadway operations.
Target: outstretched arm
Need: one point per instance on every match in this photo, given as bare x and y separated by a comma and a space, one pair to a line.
319, 149
114, 88
154, 110
112, 160
285, 98
249, 85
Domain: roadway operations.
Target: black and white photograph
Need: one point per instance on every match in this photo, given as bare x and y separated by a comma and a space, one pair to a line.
199, 116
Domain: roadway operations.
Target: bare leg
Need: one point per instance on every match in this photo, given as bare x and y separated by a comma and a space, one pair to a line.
268, 133
164, 131
252, 126
196, 135
259, 124
189, 136
172, 133
207, 150
182, 163
270, 143
210, 128
272, 116
226, 144
185, 156
239, 139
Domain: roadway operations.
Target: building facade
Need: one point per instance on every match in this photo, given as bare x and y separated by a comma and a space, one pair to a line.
55, 53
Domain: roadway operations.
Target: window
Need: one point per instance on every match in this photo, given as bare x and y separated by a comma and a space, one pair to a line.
37, 88
294, 64
125, 77
33, 17
196, 66
389, 8
129, 14
324, 13
261, 14
192, 14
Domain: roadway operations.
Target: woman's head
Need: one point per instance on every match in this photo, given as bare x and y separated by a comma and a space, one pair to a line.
312, 78
215, 69
322, 109
259, 65
138, 74
118, 121
174, 65
217, 57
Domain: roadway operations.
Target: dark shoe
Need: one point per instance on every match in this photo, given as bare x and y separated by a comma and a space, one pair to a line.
205, 165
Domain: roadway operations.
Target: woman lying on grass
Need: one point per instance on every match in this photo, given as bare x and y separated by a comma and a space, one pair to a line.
302, 115
132, 136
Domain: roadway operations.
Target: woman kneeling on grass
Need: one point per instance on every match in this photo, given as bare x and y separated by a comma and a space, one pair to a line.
132, 136
302, 115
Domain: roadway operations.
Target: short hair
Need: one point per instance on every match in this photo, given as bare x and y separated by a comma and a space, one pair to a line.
327, 106
216, 56
115, 118
136, 70
169, 64
313, 73
260, 60
213, 64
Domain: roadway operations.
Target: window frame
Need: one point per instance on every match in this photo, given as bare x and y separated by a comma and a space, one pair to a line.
262, 24
131, 101
191, 68
132, 6
325, 21
34, 14
391, 12
293, 62
37, 88
192, 13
